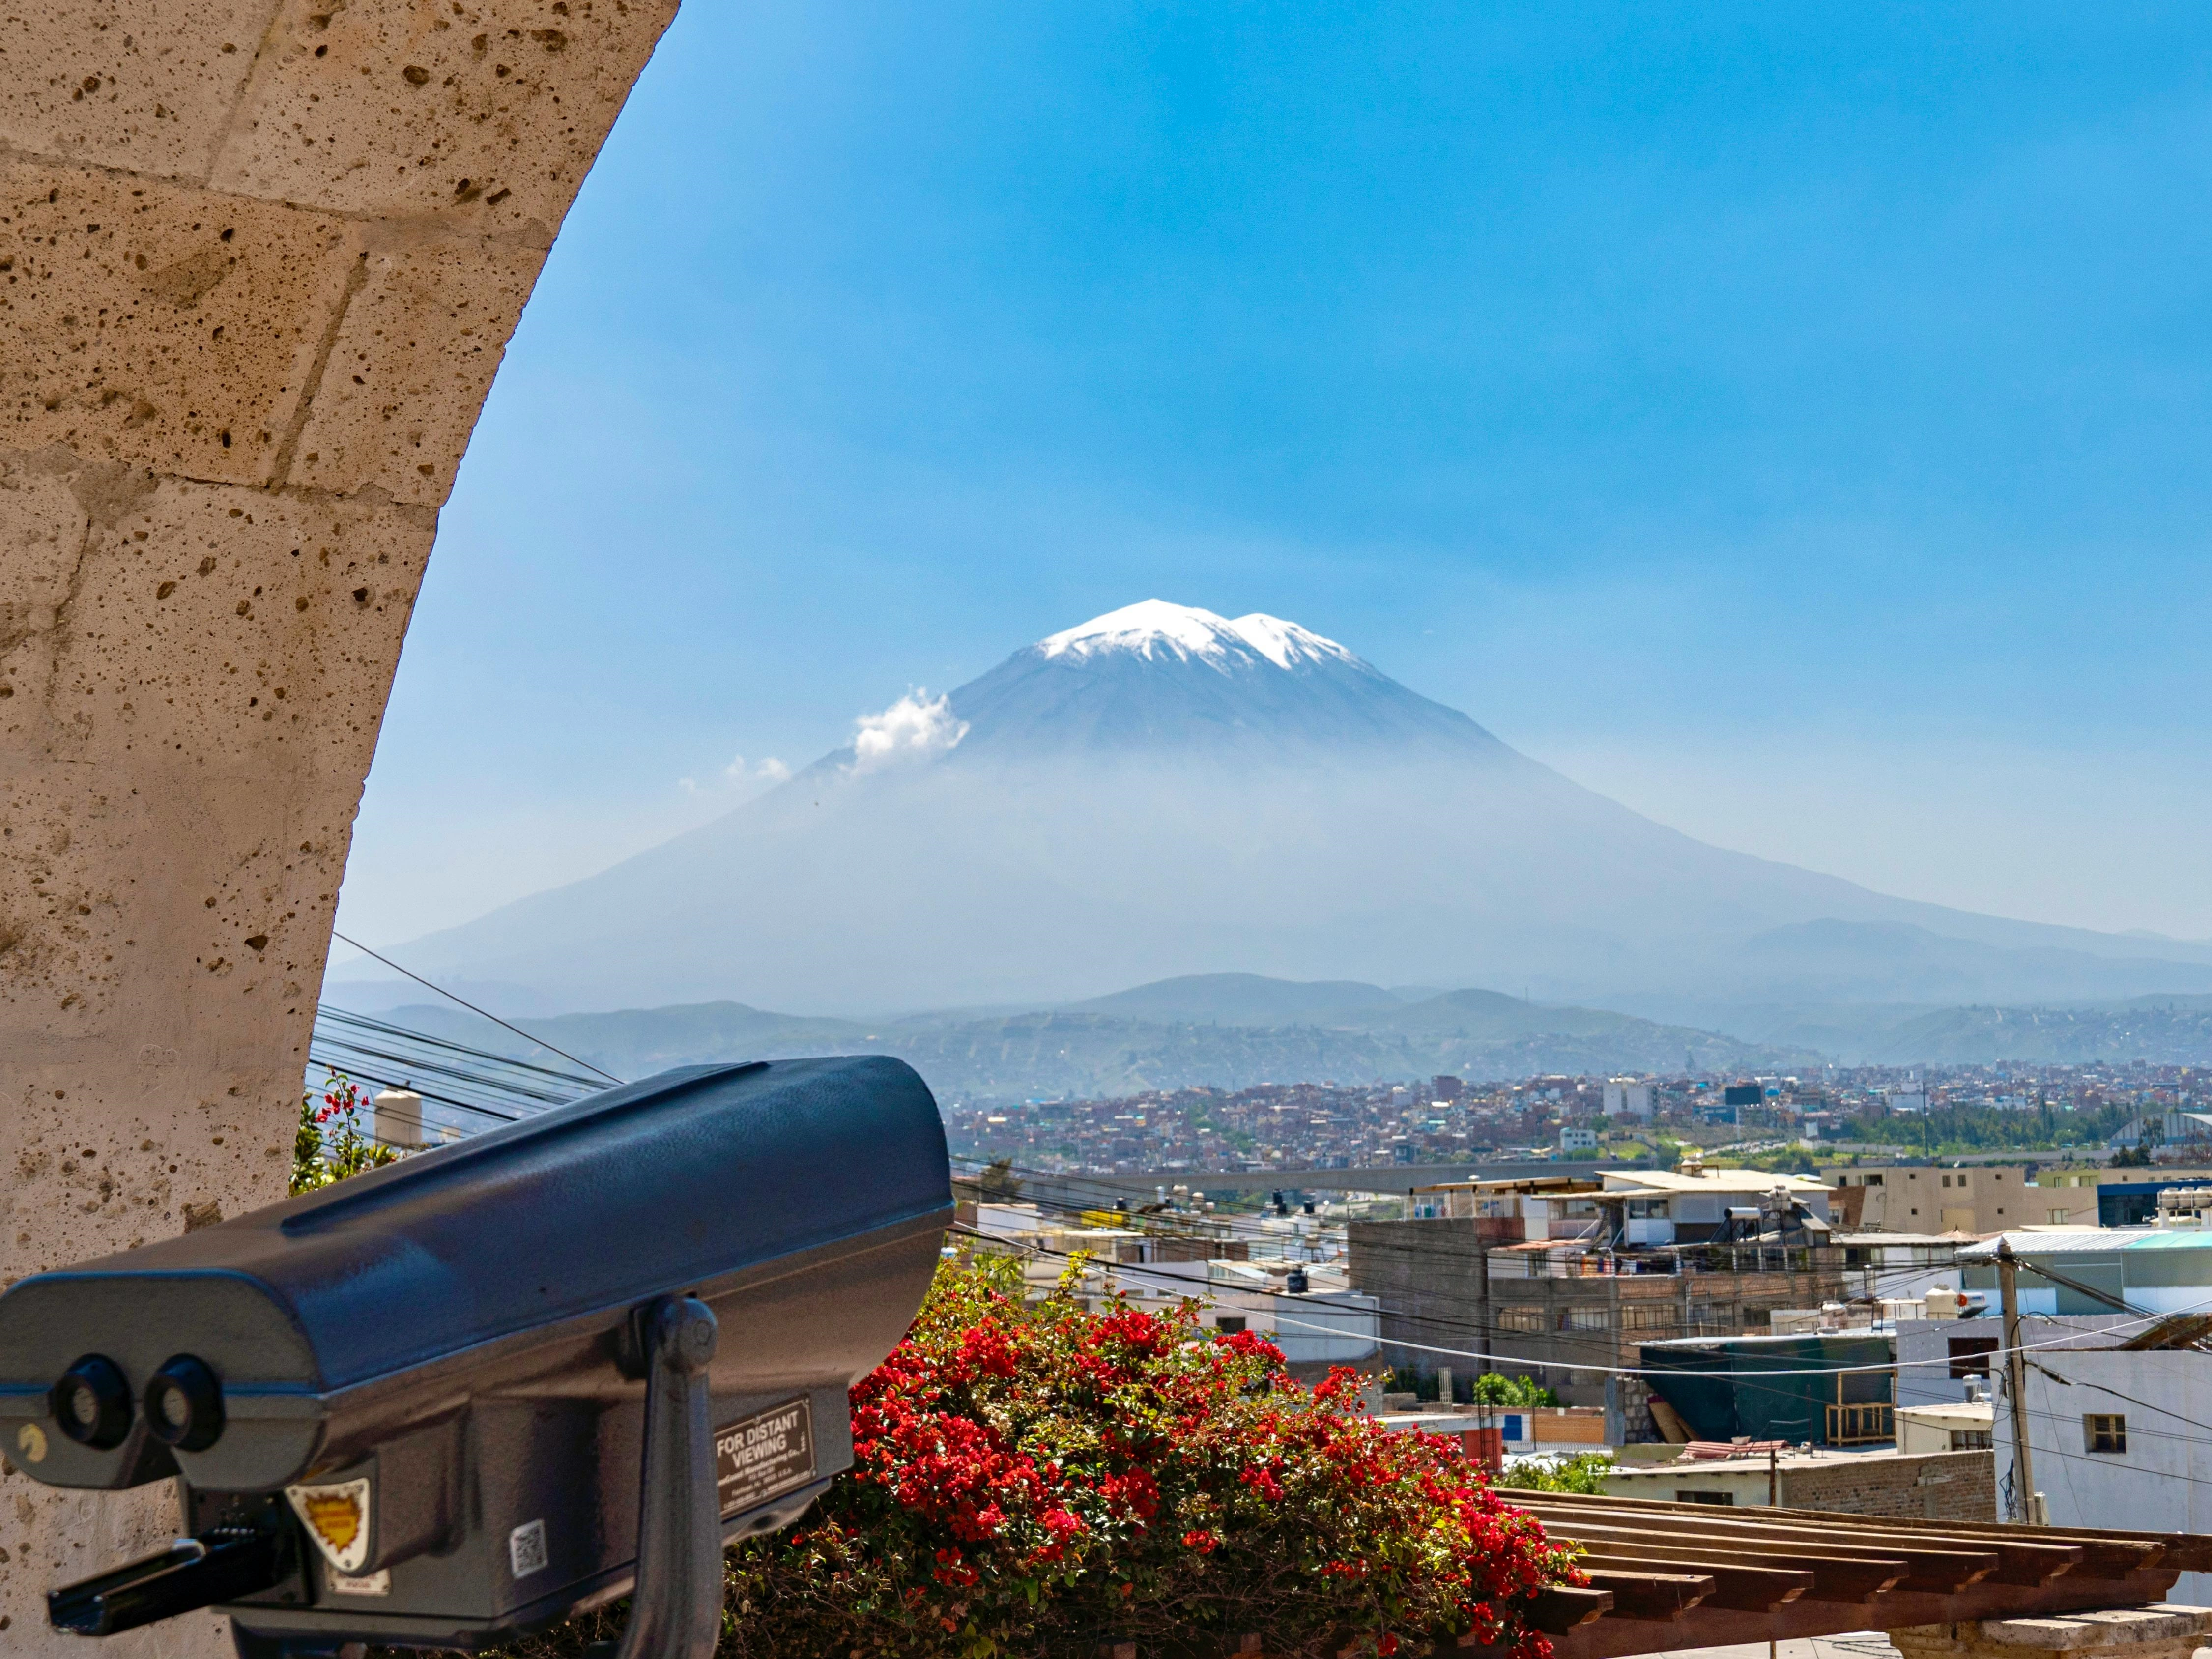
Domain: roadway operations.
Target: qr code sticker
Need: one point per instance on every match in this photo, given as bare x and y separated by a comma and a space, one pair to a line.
525, 1549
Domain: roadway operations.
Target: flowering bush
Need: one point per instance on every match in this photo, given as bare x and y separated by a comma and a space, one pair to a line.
1034, 1479
328, 1144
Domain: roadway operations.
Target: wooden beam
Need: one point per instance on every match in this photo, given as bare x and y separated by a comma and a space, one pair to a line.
1642, 1594
1557, 1608
1941, 1565
1838, 1575
1740, 1588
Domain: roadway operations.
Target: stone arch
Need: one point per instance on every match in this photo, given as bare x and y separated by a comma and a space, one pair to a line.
258, 262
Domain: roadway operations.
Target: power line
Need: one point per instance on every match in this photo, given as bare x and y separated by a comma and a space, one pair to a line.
1740, 1380
473, 1009
1487, 1330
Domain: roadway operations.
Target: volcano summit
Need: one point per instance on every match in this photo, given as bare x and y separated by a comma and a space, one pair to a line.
1164, 791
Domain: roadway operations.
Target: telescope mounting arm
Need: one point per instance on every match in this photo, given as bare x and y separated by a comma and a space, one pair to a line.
675, 1607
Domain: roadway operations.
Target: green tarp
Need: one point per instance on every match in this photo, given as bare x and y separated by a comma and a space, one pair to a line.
1730, 1386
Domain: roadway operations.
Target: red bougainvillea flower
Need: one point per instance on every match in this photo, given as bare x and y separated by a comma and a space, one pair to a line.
1029, 1476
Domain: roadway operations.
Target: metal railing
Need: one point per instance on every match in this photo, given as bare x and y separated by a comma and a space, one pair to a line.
1862, 1425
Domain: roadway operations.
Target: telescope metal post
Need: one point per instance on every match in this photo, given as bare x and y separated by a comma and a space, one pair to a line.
675, 1609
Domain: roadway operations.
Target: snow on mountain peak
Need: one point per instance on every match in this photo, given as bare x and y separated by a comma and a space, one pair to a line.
1153, 627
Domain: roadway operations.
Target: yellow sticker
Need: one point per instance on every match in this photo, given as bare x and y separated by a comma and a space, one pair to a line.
31, 1441
337, 1517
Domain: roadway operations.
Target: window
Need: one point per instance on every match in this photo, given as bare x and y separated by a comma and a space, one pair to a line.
1947, 1181
1683, 1495
2105, 1432
1659, 1317
2058, 1217
1231, 1323
1586, 1319
1970, 1356
1520, 1319
1871, 1181
1972, 1440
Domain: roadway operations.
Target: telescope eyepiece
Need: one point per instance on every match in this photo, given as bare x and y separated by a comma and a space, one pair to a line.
184, 1404
92, 1402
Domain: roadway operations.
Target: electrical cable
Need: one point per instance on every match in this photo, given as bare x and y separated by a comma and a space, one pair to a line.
1740, 1379
473, 1009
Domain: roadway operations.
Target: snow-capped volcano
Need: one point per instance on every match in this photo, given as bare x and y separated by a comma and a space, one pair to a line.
1162, 792
1156, 676
1152, 627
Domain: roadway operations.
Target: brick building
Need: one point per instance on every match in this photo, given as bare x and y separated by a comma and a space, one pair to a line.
1947, 1486
1443, 1283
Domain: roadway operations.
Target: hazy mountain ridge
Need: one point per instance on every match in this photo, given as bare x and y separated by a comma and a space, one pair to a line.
1162, 792
1074, 1052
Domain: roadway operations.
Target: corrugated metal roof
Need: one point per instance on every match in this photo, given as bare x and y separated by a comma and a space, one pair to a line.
2092, 1241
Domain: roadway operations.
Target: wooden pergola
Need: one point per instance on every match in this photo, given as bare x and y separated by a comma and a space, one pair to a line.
1669, 1576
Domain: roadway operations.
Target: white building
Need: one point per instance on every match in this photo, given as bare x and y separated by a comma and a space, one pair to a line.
2152, 1270
2174, 1128
2114, 1440
1691, 1205
1326, 1323
1573, 1139
1627, 1097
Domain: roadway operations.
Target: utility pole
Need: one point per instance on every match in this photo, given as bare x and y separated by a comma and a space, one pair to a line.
2023, 1506
1774, 1477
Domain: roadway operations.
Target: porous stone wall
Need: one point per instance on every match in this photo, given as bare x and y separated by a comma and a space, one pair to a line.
258, 262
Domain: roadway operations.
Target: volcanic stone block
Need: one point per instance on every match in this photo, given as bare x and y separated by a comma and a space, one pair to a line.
144, 84
486, 112
413, 357
212, 662
147, 323
2162, 1630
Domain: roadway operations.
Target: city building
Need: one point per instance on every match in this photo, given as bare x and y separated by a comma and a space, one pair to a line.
2115, 1432
1966, 1425
2147, 1270
1908, 1198
1627, 1097
1615, 1209
2173, 1132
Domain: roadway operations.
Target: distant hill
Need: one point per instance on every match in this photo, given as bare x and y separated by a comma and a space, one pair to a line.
2163, 1031
1084, 1052
1247, 999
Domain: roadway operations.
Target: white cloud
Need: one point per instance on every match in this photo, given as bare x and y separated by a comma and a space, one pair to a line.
915, 727
737, 776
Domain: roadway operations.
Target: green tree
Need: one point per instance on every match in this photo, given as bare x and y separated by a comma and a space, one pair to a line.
1585, 1473
1516, 1391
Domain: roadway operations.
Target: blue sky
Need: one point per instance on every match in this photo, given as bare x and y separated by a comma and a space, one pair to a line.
1790, 420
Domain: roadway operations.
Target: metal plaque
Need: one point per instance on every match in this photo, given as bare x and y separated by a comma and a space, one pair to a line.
764, 1456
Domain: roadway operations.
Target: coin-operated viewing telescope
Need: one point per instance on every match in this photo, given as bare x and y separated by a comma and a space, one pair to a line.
502, 1382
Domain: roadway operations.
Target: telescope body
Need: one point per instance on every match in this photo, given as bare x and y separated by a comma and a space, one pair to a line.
427, 1384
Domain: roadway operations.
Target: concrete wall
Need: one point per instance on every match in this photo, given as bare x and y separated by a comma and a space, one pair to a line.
2162, 1482
1945, 1486
258, 263
1925, 1356
1981, 1198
